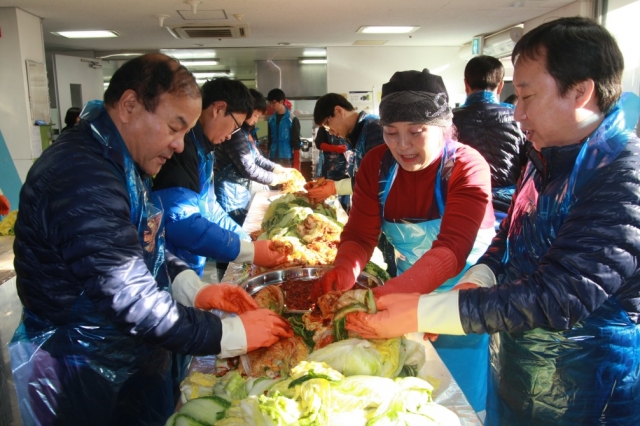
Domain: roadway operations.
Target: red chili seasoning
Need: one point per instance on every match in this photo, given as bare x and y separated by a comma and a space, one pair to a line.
297, 294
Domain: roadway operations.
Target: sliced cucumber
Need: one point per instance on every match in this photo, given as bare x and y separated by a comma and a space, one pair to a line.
354, 307
204, 410
182, 420
371, 302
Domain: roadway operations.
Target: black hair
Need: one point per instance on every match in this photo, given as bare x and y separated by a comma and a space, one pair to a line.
71, 117
276, 95
326, 104
259, 102
576, 49
150, 76
511, 99
483, 73
233, 92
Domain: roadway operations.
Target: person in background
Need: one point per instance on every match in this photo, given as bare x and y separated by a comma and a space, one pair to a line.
197, 226
361, 130
5, 207
431, 197
284, 132
334, 162
488, 126
512, 99
71, 118
239, 164
104, 304
559, 285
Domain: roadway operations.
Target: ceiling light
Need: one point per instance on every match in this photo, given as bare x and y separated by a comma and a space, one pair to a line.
386, 30
189, 53
212, 74
312, 60
117, 55
87, 34
315, 52
199, 63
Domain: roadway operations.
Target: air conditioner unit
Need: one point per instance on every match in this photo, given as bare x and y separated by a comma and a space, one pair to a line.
498, 45
209, 31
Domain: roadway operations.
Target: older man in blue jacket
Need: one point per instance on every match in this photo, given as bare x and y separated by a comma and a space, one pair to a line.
105, 304
559, 285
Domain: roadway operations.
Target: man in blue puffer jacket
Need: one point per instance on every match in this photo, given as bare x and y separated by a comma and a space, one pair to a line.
104, 304
488, 126
560, 283
197, 226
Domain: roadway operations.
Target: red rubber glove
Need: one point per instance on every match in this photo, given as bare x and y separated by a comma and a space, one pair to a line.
226, 297
296, 159
397, 315
323, 192
264, 328
350, 260
5, 207
264, 256
428, 273
333, 148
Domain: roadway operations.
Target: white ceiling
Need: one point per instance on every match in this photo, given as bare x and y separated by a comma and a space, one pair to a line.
302, 23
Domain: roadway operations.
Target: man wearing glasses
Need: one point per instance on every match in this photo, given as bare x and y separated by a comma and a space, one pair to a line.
197, 227
284, 132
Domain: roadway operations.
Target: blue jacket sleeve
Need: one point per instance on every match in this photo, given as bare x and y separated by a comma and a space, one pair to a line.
186, 228
594, 256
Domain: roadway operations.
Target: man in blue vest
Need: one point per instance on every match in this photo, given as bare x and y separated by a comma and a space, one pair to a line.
284, 132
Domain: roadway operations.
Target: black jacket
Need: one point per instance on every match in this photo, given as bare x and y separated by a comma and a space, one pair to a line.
491, 130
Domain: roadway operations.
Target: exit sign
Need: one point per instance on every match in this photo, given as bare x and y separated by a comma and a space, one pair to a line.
477, 43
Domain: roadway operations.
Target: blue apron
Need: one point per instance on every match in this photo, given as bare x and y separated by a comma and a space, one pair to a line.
547, 377
97, 357
233, 189
466, 357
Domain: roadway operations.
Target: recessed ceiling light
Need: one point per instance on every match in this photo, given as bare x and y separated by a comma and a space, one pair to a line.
315, 52
189, 53
312, 60
87, 34
386, 30
283, 43
199, 63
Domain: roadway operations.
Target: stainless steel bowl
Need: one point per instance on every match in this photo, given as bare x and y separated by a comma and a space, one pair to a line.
255, 284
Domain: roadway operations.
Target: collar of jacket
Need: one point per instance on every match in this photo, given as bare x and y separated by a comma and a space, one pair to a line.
355, 133
481, 96
201, 137
554, 160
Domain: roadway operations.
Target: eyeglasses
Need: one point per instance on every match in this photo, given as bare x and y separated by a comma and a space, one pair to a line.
326, 123
237, 128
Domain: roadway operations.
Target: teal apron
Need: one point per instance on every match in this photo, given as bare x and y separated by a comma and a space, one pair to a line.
466, 357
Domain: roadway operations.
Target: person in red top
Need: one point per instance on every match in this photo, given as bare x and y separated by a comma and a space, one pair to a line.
431, 197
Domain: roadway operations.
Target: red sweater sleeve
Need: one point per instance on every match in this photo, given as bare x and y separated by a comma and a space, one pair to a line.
468, 201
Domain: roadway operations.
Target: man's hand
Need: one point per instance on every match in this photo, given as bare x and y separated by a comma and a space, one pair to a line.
226, 297
264, 328
397, 315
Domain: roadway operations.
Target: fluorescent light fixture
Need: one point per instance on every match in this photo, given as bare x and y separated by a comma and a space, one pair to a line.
189, 54
212, 74
118, 55
312, 60
87, 34
314, 53
386, 30
199, 63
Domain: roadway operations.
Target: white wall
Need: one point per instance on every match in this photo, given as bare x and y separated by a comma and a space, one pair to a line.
364, 68
623, 21
583, 8
72, 70
21, 41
